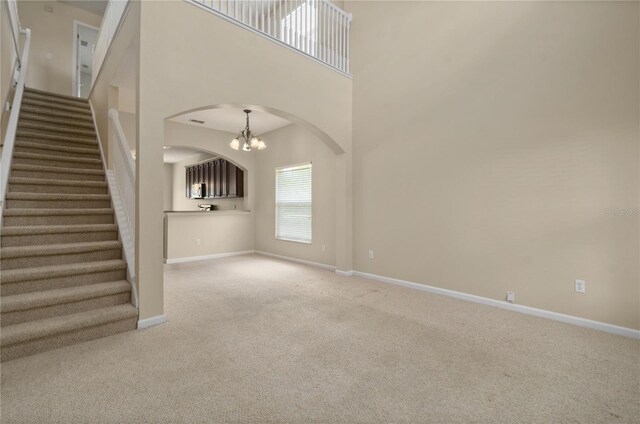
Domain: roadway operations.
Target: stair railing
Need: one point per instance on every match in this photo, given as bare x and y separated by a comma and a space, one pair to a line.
122, 184
111, 21
20, 66
317, 28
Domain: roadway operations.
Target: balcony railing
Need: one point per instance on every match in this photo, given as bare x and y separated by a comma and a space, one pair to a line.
317, 28
110, 23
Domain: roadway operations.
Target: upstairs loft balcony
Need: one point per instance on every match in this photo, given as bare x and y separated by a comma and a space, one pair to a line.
316, 28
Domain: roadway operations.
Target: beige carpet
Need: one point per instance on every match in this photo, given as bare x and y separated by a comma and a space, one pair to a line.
252, 339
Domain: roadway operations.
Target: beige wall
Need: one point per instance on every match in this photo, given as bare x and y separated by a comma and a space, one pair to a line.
128, 121
168, 187
214, 73
52, 35
205, 234
490, 139
289, 146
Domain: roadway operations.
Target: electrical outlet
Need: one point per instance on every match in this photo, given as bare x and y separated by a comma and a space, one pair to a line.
511, 297
324, 248
198, 242
581, 286
370, 254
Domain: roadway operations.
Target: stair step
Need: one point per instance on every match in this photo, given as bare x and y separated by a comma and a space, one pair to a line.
57, 129
39, 185
43, 111
51, 104
27, 280
34, 92
56, 201
56, 160
82, 144
38, 336
40, 135
73, 123
45, 149
56, 173
57, 234
50, 254
57, 216
26, 307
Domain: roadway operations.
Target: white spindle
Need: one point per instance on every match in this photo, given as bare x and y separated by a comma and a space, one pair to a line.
347, 67
332, 61
341, 42
290, 19
122, 185
325, 16
315, 27
307, 30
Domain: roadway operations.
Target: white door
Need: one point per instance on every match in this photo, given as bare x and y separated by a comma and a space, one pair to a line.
84, 46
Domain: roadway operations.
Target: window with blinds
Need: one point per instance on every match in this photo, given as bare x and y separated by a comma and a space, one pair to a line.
293, 203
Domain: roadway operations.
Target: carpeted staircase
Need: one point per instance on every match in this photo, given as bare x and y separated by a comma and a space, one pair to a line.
62, 276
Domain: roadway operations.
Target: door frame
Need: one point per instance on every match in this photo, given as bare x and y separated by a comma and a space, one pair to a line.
75, 88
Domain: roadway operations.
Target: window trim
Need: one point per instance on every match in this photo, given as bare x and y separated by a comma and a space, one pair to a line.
292, 167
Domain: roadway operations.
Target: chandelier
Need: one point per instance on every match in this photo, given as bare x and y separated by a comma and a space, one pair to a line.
247, 138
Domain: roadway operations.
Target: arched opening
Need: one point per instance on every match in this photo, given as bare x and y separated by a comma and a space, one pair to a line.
287, 116
249, 223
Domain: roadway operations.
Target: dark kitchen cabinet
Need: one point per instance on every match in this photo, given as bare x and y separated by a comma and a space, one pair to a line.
218, 178
235, 181
221, 178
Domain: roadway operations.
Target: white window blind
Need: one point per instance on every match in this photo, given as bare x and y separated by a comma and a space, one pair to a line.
293, 203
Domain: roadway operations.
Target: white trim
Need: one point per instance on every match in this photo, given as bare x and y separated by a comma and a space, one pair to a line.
12, 123
569, 319
300, 261
151, 322
205, 257
345, 273
125, 237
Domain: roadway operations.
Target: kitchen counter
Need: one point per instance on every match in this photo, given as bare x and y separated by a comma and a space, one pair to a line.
193, 235
208, 213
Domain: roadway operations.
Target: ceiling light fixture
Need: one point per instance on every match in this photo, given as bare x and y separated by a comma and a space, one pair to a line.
247, 139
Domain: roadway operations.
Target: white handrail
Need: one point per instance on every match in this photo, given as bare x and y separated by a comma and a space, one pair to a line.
317, 28
108, 28
14, 22
12, 124
122, 184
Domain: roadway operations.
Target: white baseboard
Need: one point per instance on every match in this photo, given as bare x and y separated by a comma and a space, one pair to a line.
344, 273
569, 319
205, 257
300, 261
150, 322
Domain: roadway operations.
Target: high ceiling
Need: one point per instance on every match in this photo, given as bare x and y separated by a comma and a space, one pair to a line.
94, 6
233, 120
